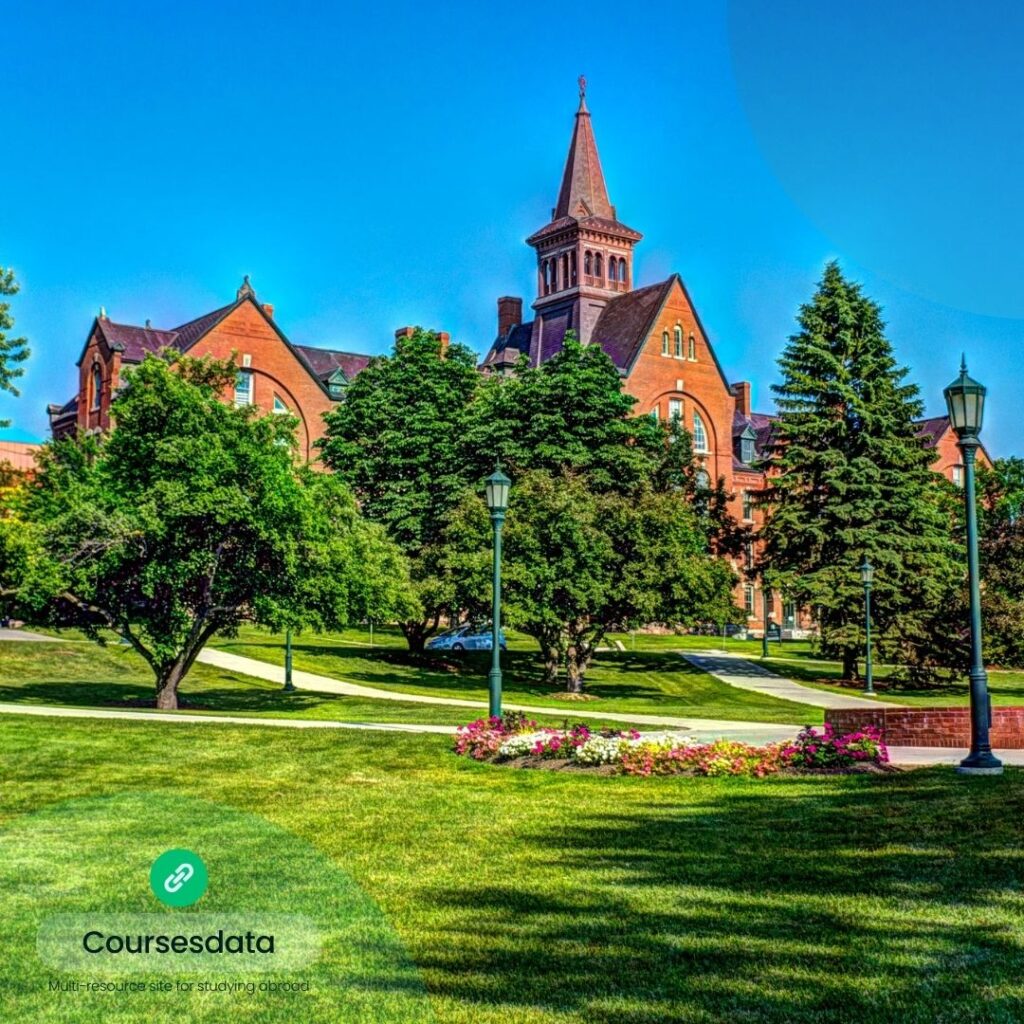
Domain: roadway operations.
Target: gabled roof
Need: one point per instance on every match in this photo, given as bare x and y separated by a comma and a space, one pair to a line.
189, 333
132, 342
325, 362
509, 348
627, 320
762, 427
931, 430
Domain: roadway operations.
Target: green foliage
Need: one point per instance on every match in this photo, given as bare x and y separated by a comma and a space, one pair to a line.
398, 439
13, 351
192, 517
853, 480
568, 415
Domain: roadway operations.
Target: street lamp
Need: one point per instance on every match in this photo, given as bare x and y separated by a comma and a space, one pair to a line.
766, 604
497, 501
867, 575
965, 400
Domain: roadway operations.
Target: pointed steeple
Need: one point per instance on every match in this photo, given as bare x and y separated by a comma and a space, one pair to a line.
583, 192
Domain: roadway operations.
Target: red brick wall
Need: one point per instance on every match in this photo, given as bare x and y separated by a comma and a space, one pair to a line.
275, 370
932, 727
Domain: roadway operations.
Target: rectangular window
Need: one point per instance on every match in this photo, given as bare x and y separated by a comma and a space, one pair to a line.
243, 388
654, 413
675, 409
750, 554
693, 349
748, 599
748, 506
665, 351
958, 475
789, 615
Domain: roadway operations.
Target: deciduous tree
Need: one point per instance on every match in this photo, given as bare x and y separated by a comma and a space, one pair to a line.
13, 351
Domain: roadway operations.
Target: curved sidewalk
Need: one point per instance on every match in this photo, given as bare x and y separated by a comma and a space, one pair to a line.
700, 728
745, 674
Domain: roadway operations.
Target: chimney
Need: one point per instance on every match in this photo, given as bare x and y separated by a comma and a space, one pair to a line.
268, 309
741, 391
404, 332
510, 314
444, 337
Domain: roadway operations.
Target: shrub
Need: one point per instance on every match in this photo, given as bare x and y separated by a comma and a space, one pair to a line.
483, 738
825, 749
723, 757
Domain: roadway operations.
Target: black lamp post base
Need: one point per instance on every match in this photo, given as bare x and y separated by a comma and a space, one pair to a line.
982, 762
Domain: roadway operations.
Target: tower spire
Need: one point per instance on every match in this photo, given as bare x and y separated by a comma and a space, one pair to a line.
583, 192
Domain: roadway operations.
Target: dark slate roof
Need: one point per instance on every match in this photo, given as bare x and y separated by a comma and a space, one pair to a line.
188, 334
62, 412
134, 342
624, 324
763, 426
932, 429
509, 348
611, 227
325, 362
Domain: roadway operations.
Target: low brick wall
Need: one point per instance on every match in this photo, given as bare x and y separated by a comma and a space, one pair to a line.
931, 727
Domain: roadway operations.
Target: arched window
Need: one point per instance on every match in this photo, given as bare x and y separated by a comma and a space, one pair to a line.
702, 480
700, 435
588, 263
565, 271
97, 385
598, 266
547, 276
665, 349
622, 269
572, 268
679, 341
692, 353
613, 268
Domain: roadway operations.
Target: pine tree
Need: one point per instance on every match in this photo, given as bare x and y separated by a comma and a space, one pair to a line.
851, 479
12, 350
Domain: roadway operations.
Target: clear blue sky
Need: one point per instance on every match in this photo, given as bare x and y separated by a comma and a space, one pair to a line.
381, 165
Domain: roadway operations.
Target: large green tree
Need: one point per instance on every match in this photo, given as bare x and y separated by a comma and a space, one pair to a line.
192, 517
399, 440
13, 351
850, 479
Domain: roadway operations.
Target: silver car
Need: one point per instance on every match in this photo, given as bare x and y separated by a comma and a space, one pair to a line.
465, 638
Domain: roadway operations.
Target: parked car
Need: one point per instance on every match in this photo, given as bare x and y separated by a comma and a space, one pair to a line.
467, 637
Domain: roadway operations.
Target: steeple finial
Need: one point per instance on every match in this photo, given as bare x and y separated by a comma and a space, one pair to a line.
582, 82
245, 289
963, 362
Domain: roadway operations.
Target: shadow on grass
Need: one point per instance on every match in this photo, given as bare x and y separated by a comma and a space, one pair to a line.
827, 901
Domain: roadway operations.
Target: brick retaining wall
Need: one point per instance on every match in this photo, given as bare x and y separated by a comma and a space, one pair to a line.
931, 727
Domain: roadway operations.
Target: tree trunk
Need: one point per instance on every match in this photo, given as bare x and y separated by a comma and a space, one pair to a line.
573, 672
850, 663
167, 683
416, 635
552, 662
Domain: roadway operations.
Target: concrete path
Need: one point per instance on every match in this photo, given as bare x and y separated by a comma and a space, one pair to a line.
24, 634
700, 728
748, 675
180, 718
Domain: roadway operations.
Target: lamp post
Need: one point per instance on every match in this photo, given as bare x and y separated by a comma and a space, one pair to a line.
867, 575
766, 600
965, 400
497, 501
289, 687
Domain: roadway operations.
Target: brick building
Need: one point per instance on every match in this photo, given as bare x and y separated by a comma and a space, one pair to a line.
654, 335
274, 375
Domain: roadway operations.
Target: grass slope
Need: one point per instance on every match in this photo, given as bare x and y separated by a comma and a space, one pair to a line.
544, 898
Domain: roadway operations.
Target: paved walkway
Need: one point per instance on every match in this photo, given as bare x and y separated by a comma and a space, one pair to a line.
748, 675
700, 728
23, 634
906, 757
180, 718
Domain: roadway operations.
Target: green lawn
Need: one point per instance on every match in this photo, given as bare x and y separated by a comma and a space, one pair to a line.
525, 897
83, 674
653, 682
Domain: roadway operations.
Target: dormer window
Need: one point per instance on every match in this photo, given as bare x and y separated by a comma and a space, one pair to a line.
746, 451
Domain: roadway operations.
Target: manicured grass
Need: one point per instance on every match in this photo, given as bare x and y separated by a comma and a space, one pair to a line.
641, 682
537, 897
87, 675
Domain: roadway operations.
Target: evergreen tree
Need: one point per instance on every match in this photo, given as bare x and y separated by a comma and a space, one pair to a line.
850, 479
12, 350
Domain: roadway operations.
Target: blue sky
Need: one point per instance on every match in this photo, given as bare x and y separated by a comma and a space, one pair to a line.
381, 165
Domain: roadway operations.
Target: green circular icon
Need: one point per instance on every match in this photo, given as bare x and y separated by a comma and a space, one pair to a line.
178, 878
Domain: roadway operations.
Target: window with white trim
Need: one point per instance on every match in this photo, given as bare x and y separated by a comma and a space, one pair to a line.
958, 476
748, 506
675, 409
243, 388
692, 351
748, 599
678, 341
700, 435
279, 406
665, 347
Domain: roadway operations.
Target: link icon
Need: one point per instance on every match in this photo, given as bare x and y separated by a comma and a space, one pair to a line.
178, 878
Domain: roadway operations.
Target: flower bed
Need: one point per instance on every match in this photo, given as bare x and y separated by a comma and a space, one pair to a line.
514, 738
